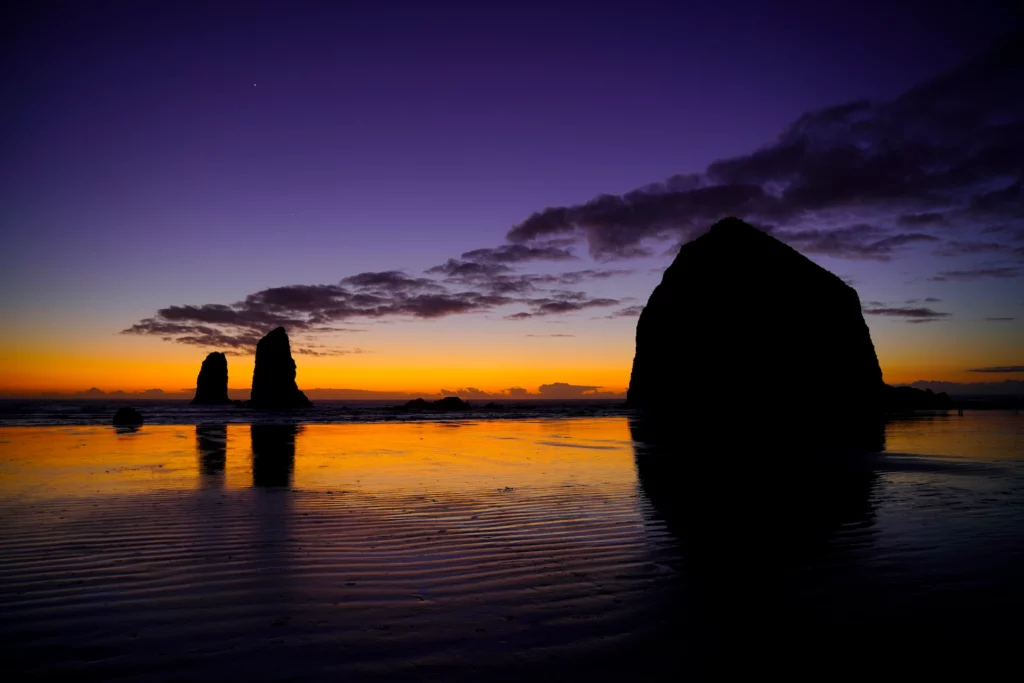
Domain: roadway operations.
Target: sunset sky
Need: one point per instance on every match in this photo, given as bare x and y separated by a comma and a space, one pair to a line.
445, 196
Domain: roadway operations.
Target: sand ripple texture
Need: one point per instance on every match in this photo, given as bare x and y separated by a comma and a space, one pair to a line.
162, 555
551, 549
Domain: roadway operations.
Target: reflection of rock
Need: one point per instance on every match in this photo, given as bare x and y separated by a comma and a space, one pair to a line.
273, 378
741, 321
212, 445
765, 540
212, 382
273, 454
127, 417
780, 509
448, 404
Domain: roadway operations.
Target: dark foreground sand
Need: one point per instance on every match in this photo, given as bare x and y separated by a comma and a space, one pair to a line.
494, 550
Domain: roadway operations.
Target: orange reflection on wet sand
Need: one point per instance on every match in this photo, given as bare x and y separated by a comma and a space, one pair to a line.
465, 456
361, 549
980, 435
435, 457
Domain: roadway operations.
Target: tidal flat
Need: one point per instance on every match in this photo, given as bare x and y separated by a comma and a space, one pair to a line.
496, 549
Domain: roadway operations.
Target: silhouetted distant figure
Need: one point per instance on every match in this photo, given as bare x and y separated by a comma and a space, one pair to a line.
448, 404
212, 447
742, 322
273, 454
273, 378
212, 382
127, 417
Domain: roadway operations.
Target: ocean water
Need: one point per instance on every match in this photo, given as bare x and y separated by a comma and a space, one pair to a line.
42, 412
546, 548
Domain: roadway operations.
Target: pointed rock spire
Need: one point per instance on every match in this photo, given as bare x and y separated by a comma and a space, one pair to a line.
273, 378
212, 382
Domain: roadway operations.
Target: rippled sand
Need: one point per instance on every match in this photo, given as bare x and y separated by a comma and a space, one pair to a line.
389, 549
481, 551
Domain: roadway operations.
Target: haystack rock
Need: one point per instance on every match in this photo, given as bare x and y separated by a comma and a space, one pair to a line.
273, 379
745, 331
212, 382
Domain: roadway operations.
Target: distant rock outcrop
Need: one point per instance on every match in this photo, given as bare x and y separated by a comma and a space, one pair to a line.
905, 399
127, 417
212, 382
742, 322
273, 378
448, 404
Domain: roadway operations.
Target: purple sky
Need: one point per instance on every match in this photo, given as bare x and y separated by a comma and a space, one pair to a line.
162, 153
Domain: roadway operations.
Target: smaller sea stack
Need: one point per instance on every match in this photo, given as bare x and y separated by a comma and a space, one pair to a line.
212, 382
273, 378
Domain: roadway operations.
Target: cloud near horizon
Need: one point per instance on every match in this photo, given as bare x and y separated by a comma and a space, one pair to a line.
305, 310
911, 314
555, 390
96, 393
1008, 387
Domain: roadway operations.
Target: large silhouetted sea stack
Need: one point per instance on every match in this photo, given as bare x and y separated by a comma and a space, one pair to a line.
212, 382
273, 378
744, 330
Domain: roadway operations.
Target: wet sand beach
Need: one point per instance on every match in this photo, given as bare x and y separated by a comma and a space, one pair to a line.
483, 550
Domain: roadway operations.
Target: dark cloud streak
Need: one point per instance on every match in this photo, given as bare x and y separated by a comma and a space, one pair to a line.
315, 309
842, 181
976, 274
910, 314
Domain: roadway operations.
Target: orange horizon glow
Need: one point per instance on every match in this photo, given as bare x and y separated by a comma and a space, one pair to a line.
69, 377
492, 364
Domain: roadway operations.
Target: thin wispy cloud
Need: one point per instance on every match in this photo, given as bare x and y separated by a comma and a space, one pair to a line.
971, 247
317, 309
1003, 273
911, 314
555, 390
627, 312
